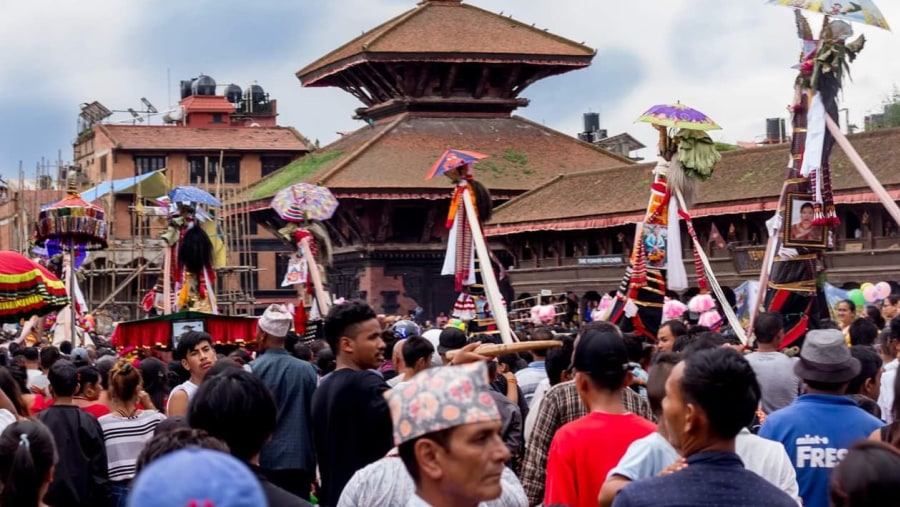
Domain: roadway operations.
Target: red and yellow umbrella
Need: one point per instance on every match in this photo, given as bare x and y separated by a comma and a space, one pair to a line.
27, 288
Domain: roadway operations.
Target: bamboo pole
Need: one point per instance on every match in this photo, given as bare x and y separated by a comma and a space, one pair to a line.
863, 169
321, 299
492, 290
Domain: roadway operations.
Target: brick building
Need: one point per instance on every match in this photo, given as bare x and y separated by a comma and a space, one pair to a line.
218, 142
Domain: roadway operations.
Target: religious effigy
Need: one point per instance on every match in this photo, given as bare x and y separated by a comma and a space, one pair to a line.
802, 229
479, 301
687, 156
304, 208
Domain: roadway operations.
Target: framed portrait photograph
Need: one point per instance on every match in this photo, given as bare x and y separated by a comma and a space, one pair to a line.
179, 327
799, 231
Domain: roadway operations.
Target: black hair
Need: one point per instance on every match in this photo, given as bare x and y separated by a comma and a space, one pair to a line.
171, 423
63, 378
601, 326
49, 355
87, 375
827, 324
558, 360
104, 367
170, 441
850, 304
237, 408
894, 298
870, 363
31, 353
414, 348
767, 326
723, 384
606, 374
177, 374
512, 362
874, 315
325, 361
10, 387
189, 341
27, 454
806, 205
156, 382
302, 351
635, 347
223, 366
675, 326
407, 450
863, 332
663, 364
343, 316
317, 346
868, 475
868, 404
65, 347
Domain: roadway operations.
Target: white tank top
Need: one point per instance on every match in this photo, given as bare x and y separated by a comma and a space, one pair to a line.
188, 387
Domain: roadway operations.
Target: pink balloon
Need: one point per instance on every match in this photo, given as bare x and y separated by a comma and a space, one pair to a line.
883, 290
870, 293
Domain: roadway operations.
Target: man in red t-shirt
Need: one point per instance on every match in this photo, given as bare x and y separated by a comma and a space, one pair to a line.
585, 450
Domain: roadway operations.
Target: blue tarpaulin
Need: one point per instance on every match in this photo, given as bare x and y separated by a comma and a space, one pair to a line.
153, 184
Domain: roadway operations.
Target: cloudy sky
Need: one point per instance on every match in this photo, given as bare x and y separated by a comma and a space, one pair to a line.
728, 58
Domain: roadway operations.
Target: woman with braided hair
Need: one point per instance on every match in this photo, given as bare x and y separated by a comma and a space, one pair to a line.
127, 428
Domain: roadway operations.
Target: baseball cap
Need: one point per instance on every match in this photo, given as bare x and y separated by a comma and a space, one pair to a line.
600, 354
80, 355
214, 478
451, 339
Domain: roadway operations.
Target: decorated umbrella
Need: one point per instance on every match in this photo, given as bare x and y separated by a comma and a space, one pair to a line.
193, 195
453, 159
678, 116
303, 201
27, 288
73, 223
860, 11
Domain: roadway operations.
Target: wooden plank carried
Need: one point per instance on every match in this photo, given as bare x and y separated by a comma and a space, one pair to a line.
494, 350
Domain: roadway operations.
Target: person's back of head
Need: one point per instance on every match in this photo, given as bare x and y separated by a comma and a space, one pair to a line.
317, 346
31, 354
302, 352
539, 334
416, 349
768, 327
722, 383
63, 378
703, 340
873, 315
124, 381
172, 436
10, 387
602, 358
49, 356
342, 318
237, 408
863, 332
869, 475
65, 347
155, 377
325, 361
601, 326
870, 367
635, 347
27, 458
663, 364
559, 359
828, 324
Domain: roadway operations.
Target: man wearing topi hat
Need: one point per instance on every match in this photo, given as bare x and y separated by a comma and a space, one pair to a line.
818, 428
447, 432
288, 460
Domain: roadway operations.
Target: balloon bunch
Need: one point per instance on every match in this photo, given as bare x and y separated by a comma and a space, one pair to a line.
869, 293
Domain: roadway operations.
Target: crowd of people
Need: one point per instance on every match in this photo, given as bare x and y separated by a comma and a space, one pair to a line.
385, 412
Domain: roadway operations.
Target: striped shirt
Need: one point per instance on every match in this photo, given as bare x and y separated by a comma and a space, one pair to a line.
124, 438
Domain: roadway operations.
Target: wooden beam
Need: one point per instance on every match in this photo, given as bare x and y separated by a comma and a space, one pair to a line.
361, 86
423, 80
363, 232
385, 223
482, 81
354, 90
429, 224
511, 79
362, 73
449, 78
392, 90
541, 74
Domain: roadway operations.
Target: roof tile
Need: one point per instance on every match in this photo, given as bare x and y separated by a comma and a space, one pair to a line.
742, 176
154, 137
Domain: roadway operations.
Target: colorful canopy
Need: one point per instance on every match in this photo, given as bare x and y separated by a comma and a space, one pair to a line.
859, 11
304, 201
73, 222
678, 116
27, 288
451, 159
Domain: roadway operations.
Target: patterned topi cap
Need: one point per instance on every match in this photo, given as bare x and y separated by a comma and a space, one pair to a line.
441, 398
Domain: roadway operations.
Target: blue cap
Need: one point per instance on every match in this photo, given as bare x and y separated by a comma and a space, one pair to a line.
201, 476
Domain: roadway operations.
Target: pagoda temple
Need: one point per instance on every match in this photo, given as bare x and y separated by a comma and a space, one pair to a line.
444, 74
